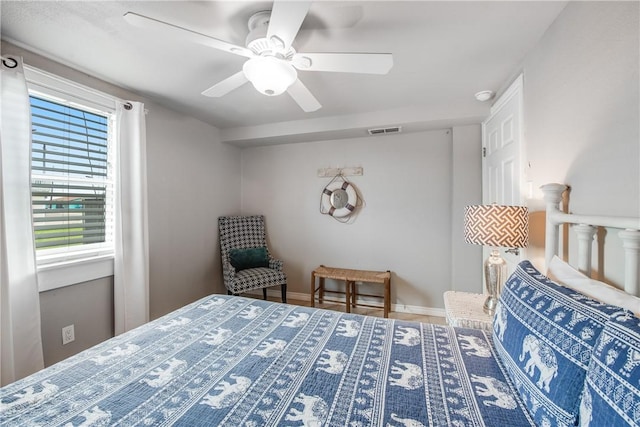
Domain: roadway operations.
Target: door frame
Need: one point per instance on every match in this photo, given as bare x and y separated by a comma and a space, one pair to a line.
514, 90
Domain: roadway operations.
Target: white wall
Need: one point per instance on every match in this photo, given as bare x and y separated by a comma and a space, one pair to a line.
192, 181
405, 225
466, 189
87, 306
581, 106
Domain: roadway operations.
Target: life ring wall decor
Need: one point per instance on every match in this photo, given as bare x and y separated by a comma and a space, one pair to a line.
339, 199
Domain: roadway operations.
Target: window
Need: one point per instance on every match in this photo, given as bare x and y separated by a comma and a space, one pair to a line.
72, 178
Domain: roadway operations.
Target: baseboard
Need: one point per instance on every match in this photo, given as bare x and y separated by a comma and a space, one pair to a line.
399, 308
417, 309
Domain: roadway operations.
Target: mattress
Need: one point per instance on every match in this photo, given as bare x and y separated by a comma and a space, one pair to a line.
233, 361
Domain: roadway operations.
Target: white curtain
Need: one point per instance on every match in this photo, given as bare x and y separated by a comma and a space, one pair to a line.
131, 268
20, 336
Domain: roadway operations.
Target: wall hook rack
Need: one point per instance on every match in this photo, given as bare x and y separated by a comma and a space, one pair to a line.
348, 171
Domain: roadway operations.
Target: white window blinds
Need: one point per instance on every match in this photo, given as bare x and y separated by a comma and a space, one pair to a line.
72, 189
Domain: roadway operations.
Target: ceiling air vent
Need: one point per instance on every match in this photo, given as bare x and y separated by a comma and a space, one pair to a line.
382, 131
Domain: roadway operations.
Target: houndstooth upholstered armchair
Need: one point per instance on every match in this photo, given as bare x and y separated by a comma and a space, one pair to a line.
246, 261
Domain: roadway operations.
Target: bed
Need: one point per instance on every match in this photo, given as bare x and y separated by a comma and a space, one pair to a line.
234, 361
237, 361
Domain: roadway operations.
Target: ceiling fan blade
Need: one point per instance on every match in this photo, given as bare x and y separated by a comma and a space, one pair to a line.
227, 85
184, 34
303, 97
367, 63
286, 19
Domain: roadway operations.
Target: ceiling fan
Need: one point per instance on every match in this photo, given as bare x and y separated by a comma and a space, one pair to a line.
272, 62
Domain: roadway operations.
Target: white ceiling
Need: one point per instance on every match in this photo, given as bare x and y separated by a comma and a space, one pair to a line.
443, 52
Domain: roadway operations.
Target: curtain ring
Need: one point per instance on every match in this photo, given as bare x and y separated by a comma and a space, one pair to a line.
128, 106
9, 62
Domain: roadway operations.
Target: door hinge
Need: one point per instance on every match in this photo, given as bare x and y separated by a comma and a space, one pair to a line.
484, 151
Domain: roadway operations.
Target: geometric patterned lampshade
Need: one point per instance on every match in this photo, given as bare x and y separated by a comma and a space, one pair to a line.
497, 225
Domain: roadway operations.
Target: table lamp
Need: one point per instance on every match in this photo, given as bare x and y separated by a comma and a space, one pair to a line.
496, 226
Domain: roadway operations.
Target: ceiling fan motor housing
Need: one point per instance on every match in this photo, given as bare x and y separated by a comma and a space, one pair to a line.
257, 38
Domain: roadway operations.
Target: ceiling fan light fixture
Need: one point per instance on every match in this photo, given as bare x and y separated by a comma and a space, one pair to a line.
269, 75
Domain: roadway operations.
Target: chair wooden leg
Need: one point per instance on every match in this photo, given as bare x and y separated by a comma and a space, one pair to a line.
354, 294
313, 288
284, 293
264, 293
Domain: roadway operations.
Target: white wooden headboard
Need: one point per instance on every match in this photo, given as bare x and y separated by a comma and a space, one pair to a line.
586, 227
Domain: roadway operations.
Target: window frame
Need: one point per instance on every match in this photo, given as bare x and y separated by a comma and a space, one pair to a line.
59, 268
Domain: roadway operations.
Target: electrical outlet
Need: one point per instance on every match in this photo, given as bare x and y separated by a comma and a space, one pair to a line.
68, 334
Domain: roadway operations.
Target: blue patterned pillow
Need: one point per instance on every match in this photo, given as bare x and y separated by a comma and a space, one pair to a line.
544, 334
612, 389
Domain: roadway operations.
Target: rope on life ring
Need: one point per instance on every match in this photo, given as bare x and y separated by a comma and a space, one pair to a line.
339, 198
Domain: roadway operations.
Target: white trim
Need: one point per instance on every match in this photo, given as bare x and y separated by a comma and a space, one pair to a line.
59, 275
495, 190
59, 267
62, 256
398, 308
515, 88
514, 91
67, 90
416, 309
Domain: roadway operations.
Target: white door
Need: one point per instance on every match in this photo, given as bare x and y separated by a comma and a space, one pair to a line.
502, 164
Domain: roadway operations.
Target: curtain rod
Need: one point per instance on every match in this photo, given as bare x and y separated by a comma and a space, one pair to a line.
10, 62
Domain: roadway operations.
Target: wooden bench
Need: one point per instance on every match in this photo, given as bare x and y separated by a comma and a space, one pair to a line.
350, 277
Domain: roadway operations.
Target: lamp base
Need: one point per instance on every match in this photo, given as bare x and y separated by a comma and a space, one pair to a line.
490, 304
495, 271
